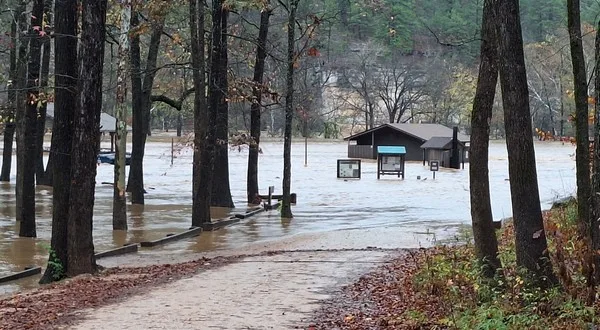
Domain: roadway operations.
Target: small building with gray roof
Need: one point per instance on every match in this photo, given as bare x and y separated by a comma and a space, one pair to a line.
439, 148
411, 136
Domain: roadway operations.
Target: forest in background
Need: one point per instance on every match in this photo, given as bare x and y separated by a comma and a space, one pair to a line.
367, 62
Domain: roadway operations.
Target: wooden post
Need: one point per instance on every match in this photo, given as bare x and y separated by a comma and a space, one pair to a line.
271, 191
402, 161
112, 141
172, 150
305, 142
373, 149
378, 166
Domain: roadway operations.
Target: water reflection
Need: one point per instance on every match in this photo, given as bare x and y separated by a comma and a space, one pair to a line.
136, 230
324, 202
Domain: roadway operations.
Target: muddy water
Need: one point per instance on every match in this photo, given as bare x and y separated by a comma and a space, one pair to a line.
325, 203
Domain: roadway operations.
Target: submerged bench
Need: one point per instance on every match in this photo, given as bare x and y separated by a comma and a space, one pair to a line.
127, 248
192, 232
30, 271
214, 225
250, 213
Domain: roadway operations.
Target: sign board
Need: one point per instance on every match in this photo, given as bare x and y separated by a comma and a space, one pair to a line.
348, 168
434, 166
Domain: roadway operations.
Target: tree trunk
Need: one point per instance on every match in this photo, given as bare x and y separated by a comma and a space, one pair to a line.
286, 203
371, 115
40, 172
582, 153
203, 132
86, 139
531, 245
221, 191
581, 116
486, 243
27, 228
138, 130
9, 134
141, 91
65, 54
595, 221
179, 124
119, 196
21, 83
9, 129
255, 108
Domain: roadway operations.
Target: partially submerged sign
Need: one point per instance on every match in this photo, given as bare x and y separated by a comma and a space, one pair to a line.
434, 166
348, 169
390, 160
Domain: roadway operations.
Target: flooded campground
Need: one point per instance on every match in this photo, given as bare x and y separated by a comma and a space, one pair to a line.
399, 208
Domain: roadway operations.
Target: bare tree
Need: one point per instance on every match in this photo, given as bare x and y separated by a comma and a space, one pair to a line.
530, 238
203, 120
27, 210
219, 104
292, 56
582, 153
62, 133
399, 87
256, 107
359, 75
486, 243
10, 126
86, 139
119, 197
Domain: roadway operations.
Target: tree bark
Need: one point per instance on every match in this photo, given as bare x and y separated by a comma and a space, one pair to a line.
27, 228
286, 203
40, 172
255, 108
65, 54
9, 129
9, 134
486, 243
141, 91
582, 153
119, 196
595, 221
203, 119
221, 191
21, 83
530, 237
179, 124
86, 139
138, 132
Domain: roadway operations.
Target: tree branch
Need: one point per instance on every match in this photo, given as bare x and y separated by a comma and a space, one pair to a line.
177, 104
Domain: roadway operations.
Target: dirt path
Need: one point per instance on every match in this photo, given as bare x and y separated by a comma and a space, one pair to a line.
263, 292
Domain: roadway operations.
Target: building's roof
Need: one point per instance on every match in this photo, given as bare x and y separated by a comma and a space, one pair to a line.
391, 150
424, 132
437, 142
108, 123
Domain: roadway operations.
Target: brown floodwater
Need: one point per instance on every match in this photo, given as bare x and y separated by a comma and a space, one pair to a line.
325, 203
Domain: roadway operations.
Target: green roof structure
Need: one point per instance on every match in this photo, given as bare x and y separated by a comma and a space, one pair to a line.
391, 150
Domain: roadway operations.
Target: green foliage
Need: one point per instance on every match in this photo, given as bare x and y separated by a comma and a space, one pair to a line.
511, 300
539, 21
58, 270
388, 22
331, 130
54, 263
